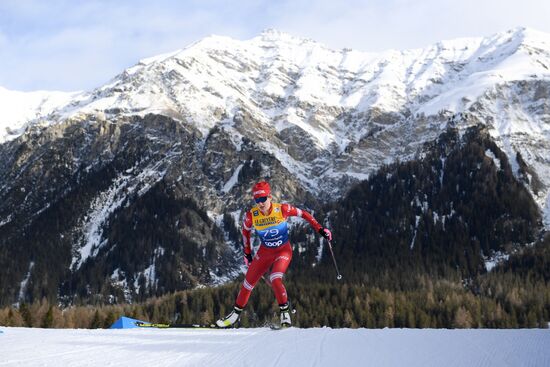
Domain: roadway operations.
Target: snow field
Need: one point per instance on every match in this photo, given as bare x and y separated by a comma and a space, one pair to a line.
264, 347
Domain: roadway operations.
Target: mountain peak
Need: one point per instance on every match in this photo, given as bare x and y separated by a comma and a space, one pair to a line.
526, 32
275, 35
222, 70
523, 35
272, 32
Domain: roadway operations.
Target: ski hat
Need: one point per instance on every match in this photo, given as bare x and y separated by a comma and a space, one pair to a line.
261, 189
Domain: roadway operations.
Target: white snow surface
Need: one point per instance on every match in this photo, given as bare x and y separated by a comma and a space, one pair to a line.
264, 347
23, 285
233, 180
19, 108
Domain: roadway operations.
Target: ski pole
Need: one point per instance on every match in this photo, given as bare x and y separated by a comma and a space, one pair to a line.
338, 275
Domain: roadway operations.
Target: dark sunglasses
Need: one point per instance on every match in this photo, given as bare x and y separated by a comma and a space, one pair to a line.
261, 199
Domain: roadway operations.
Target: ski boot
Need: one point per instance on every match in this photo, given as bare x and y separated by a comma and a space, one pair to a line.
285, 315
231, 319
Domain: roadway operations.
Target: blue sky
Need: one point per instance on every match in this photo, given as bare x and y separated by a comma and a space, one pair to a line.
79, 45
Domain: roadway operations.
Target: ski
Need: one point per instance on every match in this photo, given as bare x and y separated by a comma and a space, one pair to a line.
198, 326
176, 326
279, 327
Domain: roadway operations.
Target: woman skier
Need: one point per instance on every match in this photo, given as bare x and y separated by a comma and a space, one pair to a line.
269, 221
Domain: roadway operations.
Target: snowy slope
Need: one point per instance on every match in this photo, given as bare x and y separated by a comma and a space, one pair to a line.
263, 347
18, 108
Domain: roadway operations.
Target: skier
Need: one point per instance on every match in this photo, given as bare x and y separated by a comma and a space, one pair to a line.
269, 221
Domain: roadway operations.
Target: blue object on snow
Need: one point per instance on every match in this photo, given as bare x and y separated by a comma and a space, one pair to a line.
126, 323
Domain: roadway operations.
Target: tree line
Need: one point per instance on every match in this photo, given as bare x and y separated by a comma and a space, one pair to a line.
516, 294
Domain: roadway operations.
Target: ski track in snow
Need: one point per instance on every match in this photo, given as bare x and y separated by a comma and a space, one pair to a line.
264, 347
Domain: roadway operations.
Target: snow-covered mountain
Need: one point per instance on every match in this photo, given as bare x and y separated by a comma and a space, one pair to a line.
330, 115
197, 126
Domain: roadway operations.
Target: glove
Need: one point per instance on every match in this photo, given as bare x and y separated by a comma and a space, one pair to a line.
247, 259
325, 232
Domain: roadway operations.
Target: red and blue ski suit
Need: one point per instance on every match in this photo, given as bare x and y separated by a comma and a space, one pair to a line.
275, 250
